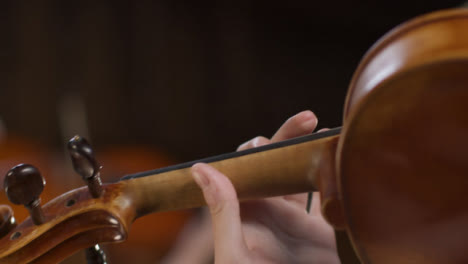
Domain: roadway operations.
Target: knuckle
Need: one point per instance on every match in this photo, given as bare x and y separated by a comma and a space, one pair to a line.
221, 207
216, 209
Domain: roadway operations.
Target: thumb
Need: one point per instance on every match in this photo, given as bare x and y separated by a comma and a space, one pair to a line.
222, 201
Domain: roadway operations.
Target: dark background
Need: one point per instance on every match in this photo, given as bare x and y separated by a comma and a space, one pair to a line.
191, 78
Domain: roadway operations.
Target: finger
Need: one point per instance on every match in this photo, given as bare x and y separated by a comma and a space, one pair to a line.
253, 143
222, 201
323, 130
300, 199
298, 125
315, 208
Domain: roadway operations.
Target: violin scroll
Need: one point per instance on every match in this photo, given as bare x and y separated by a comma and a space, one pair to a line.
73, 221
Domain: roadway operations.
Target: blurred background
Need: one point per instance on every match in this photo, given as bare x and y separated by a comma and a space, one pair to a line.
153, 83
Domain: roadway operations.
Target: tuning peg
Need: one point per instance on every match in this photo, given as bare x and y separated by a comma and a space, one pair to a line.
95, 255
23, 184
7, 220
84, 163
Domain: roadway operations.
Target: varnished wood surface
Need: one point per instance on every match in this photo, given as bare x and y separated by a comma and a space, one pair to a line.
433, 38
291, 169
132, 60
404, 196
75, 220
400, 162
72, 221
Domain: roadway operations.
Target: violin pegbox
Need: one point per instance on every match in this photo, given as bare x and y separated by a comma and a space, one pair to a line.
75, 220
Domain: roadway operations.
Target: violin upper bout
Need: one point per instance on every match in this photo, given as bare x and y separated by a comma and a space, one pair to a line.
74, 221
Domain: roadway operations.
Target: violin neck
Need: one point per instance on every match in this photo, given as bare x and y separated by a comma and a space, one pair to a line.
282, 168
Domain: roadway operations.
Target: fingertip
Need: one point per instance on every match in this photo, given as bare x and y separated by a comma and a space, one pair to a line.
323, 130
253, 143
199, 175
204, 169
307, 120
199, 167
306, 114
300, 124
260, 141
223, 205
207, 184
216, 187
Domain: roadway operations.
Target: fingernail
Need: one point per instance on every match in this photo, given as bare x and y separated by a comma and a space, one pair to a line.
310, 124
201, 179
256, 142
203, 182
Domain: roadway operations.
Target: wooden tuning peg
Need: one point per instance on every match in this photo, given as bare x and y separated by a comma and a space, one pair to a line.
85, 164
7, 220
23, 184
95, 255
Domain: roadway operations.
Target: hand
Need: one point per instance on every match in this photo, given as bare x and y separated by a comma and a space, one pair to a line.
272, 230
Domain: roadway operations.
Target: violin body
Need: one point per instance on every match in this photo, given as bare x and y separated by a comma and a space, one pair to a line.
401, 167
394, 177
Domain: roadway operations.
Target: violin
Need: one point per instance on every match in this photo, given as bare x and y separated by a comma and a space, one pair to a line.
151, 236
394, 176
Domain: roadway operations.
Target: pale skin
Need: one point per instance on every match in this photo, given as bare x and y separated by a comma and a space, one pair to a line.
273, 230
